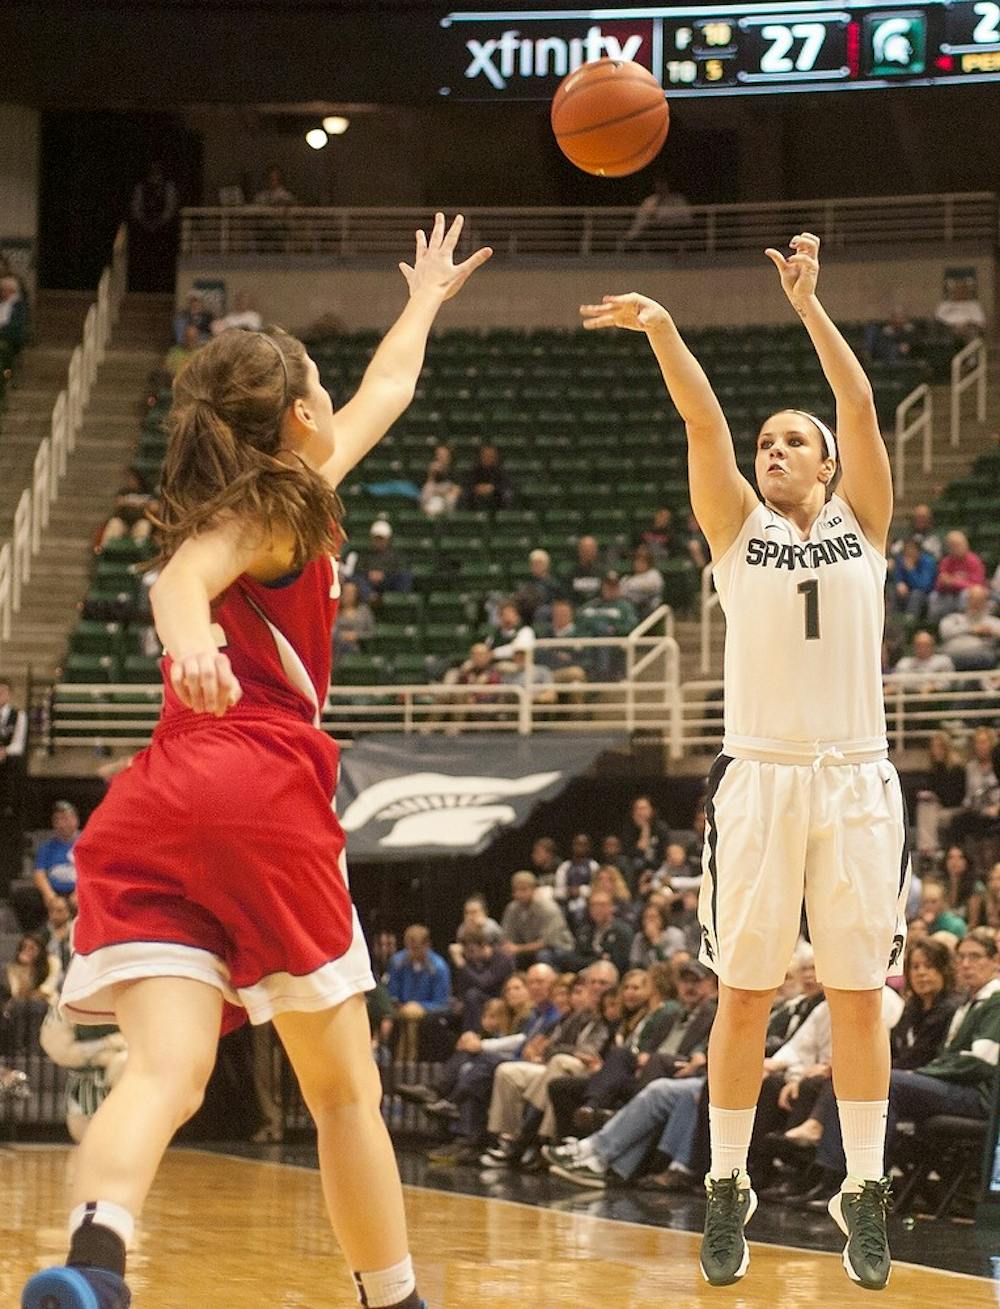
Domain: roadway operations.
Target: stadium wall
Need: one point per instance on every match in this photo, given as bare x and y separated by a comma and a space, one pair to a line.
298, 293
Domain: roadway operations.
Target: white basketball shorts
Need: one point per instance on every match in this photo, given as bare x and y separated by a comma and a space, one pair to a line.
778, 832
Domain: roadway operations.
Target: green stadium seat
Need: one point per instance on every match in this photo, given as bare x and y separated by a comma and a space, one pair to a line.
90, 638
394, 638
91, 668
397, 608
141, 668
359, 670
447, 638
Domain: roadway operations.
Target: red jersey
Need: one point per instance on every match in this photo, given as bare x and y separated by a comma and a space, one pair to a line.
277, 636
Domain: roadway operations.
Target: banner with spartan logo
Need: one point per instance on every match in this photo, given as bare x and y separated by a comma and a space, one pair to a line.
415, 797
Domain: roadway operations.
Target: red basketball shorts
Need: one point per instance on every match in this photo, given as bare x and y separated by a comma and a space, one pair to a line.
218, 856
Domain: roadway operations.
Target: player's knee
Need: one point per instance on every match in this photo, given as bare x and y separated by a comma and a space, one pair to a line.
343, 1091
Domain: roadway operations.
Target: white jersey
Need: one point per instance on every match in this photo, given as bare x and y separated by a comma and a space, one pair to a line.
804, 619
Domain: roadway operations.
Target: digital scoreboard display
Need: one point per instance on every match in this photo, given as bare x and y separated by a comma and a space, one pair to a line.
725, 49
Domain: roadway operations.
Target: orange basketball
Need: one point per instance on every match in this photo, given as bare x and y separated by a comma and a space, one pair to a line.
610, 117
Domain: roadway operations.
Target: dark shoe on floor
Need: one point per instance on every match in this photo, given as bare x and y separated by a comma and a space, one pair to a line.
442, 1109
585, 1120
417, 1093
76, 1288
725, 1254
455, 1152
672, 1182
861, 1216
531, 1161
504, 1154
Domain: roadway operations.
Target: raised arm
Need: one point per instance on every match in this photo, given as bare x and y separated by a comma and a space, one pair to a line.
391, 378
866, 482
721, 497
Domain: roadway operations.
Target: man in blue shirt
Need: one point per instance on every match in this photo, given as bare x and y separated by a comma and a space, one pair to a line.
55, 871
419, 983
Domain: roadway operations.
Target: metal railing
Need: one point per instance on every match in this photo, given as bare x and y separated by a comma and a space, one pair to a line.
628, 684
965, 700
921, 424
968, 369
31, 516
940, 221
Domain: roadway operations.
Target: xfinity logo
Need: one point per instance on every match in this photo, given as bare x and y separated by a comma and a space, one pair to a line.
510, 55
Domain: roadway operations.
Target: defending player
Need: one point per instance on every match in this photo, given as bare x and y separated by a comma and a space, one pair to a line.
212, 879
802, 799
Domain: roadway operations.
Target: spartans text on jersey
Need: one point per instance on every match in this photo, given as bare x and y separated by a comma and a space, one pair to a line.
812, 554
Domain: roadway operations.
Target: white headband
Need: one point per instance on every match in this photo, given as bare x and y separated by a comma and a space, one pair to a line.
829, 440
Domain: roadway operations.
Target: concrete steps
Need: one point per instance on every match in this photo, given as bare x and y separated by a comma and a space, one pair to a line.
61, 572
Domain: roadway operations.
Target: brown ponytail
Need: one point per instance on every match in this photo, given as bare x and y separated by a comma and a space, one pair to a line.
224, 455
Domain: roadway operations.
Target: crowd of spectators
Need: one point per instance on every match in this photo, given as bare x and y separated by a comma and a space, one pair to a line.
570, 1031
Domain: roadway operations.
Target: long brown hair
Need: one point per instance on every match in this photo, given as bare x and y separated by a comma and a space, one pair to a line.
223, 456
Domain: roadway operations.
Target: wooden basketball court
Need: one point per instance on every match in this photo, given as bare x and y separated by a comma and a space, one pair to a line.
220, 1231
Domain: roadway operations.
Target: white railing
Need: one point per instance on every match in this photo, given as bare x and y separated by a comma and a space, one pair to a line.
51, 459
968, 369
920, 424
942, 221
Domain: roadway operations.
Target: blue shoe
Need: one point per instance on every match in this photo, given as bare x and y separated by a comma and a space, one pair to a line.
76, 1288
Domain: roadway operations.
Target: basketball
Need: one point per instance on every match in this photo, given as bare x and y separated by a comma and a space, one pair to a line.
610, 117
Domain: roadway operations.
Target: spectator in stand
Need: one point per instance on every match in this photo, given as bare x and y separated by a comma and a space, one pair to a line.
376, 567
574, 875
534, 597
440, 491
662, 210
935, 912
610, 615
13, 740
178, 355
655, 941
583, 582
941, 793
978, 820
960, 311
384, 947
893, 341
13, 318
695, 541
58, 930
32, 973
959, 569
970, 636
644, 585
243, 315
355, 621
487, 486
927, 671
475, 918
55, 871
420, 986
966, 890
533, 926
153, 232
134, 502
922, 531
274, 194
601, 935
538, 679
509, 625
564, 662
646, 837
660, 537
912, 572
477, 671
991, 905
613, 855
544, 862
481, 969
194, 314
609, 879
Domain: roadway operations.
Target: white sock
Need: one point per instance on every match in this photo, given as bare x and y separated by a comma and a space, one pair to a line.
862, 1125
104, 1214
386, 1287
730, 1130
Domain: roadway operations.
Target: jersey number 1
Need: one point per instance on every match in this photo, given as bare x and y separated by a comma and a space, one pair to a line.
811, 592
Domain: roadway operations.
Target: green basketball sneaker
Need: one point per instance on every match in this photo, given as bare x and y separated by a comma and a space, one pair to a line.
860, 1215
725, 1255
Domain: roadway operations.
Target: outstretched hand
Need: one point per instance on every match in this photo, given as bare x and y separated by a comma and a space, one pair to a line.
636, 313
799, 272
433, 268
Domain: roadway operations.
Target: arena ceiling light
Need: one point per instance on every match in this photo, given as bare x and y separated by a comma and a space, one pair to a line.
336, 124
316, 138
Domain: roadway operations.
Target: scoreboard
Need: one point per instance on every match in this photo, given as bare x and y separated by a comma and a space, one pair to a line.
724, 49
